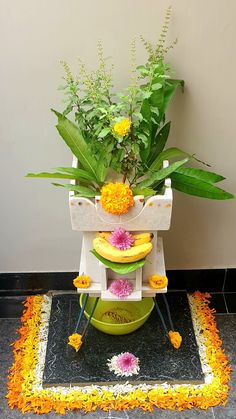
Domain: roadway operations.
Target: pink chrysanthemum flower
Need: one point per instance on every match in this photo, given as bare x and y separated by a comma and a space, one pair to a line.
121, 239
121, 287
125, 364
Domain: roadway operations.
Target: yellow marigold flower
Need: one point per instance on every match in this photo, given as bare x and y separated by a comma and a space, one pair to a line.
82, 281
75, 340
158, 281
122, 127
175, 338
116, 198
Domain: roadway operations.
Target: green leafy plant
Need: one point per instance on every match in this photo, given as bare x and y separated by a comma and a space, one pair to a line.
124, 135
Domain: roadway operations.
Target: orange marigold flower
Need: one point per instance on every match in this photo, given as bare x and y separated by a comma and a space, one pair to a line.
158, 281
75, 340
82, 281
122, 127
175, 338
116, 198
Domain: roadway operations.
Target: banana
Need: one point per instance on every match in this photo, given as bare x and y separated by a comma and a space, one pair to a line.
113, 254
104, 234
138, 238
142, 238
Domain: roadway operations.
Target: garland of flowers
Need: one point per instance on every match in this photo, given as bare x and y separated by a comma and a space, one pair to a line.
26, 391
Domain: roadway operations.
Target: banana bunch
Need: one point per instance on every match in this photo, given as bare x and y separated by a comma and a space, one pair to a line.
141, 248
138, 238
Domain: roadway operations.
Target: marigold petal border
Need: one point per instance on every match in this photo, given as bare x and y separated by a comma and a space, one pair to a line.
25, 394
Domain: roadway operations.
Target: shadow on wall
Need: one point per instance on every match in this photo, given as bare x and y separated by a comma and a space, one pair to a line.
194, 237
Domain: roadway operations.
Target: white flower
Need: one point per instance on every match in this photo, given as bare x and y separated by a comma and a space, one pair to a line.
124, 364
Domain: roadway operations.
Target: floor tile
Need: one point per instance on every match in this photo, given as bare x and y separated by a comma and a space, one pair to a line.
167, 414
8, 335
197, 280
157, 413
230, 282
11, 307
230, 299
38, 281
228, 413
227, 327
218, 303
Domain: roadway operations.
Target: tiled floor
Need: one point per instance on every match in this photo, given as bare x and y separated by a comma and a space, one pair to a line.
224, 303
227, 326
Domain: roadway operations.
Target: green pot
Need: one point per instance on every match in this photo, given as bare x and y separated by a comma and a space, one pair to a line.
118, 317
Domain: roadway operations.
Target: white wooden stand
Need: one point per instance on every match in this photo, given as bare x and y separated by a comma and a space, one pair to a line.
151, 215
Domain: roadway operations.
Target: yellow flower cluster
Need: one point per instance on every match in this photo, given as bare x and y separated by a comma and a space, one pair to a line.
116, 198
122, 127
75, 340
158, 281
175, 338
82, 281
24, 394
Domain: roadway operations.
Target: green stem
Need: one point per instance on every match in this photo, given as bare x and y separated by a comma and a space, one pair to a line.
124, 177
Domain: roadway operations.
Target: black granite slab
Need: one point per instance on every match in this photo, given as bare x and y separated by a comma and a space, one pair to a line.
159, 361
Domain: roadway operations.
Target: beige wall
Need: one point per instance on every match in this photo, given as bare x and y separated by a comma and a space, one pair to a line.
35, 227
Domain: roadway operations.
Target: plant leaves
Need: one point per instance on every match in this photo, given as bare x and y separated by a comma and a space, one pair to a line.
120, 268
73, 138
159, 142
146, 123
145, 110
204, 175
83, 191
102, 169
170, 87
77, 173
197, 187
104, 132
156, 101
143, 191
165, 155
144, 139
157, 98
156, 86
161, 174
50, 175
146, 94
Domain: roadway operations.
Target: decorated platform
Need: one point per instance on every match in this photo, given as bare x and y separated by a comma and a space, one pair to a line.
47, 375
